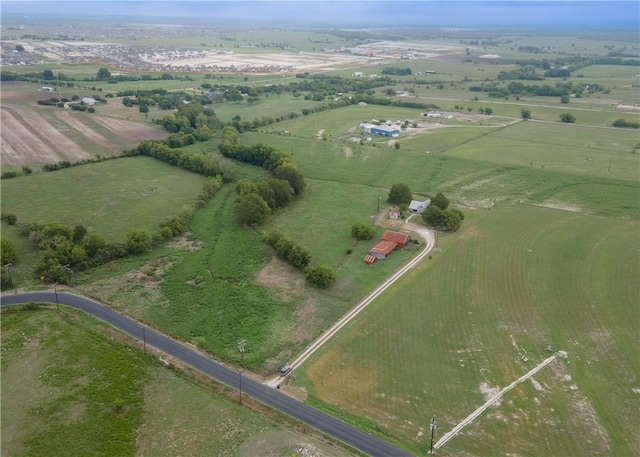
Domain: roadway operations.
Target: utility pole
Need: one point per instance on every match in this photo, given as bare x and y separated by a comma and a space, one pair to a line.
378, 203
241, 344
432, 427
67, 268
8, 267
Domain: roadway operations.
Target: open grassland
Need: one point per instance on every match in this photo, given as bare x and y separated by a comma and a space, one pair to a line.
107, 198
218, 286
577, 149
555, 174
70, 387
514, 280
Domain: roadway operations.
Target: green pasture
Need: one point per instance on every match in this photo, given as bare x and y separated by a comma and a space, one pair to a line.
575, 149
209, 295
85, 393
473, 182
269, 105
107, 198
511, 282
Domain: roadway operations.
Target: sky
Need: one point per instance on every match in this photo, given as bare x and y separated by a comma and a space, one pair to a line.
611, 14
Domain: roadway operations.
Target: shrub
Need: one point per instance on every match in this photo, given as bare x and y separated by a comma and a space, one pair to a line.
8, 174
7, 251
320, 276
362, 231
9, 218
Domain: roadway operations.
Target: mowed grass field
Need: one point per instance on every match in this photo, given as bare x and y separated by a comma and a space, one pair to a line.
73, 386
514, 280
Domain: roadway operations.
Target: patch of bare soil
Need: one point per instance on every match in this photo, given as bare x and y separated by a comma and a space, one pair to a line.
28, 138
185, 244
68, 117
561, 206
319, 134
583, 412
130, 132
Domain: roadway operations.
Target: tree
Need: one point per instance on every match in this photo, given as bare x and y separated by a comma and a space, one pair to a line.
320, 276
564, 99
79, 231
289, 172
525, 114
488, 111
299, 257
19, 48
396, 145
362, 231
433, 216
251, 209
138, 241
103, 73
143, 108
283, 192
7, 251
567, 118
440, 201
400, 193
450, 221
47, 74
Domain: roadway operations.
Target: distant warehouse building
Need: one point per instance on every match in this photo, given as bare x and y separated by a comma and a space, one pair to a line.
383, 130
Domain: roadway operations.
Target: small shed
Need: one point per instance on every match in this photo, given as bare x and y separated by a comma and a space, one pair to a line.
370, 259
394, 213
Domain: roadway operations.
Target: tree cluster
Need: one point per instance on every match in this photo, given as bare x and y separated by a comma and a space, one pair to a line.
440, 216
396, 71
298, 256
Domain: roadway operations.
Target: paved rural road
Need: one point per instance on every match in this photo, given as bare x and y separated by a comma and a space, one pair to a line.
267, 395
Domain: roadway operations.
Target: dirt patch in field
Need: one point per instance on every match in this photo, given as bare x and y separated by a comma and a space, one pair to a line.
339, 380
288, 285
281, 279
185, 244
561, 206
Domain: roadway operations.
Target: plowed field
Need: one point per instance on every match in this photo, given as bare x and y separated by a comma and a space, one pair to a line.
35, 135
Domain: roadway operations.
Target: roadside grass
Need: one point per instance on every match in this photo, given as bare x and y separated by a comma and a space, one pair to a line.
80, 394
72, 387
512, 281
